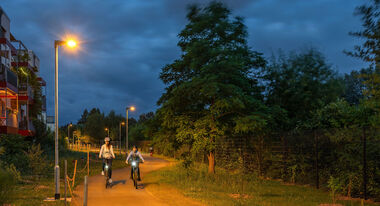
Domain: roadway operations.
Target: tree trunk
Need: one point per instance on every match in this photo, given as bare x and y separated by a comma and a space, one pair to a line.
211, 162
316, 160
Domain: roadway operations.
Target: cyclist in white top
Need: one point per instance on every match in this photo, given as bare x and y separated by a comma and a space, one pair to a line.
106, 152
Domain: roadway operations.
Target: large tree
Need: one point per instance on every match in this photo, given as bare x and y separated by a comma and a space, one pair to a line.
369, 50
209, 91
300, 83
94, 126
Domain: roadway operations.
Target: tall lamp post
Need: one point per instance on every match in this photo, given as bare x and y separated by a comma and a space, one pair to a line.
68, 132
57, 43
121, 123
126, 128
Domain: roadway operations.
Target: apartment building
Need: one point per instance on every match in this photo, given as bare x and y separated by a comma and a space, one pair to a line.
18, 69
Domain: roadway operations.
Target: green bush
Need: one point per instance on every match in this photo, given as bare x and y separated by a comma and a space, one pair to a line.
44, 137
7, 185
36, 160
14, 172
13, 151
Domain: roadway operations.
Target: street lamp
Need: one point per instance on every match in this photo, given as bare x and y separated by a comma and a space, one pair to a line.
121, 123
132, 108
107, 131
68, 132
57, 43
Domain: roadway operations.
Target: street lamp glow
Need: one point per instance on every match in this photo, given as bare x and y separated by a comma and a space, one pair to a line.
132, 108
71, 43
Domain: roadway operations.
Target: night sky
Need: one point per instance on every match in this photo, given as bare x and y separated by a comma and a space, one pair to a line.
125, 43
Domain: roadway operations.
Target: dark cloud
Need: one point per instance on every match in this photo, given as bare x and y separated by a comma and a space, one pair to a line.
124, 44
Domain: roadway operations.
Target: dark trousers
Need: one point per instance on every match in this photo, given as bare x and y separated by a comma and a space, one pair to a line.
138, 172
109, 162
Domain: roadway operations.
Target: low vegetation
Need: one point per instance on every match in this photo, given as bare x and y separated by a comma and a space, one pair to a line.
226, 188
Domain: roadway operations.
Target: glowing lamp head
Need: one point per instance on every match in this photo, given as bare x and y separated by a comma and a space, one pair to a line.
71, 43
132, 108
122, 123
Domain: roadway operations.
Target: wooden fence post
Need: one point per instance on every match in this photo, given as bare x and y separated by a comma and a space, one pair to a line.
75, 171
85, 191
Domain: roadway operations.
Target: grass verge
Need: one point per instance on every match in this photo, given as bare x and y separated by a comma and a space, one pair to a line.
225, 188
32, 191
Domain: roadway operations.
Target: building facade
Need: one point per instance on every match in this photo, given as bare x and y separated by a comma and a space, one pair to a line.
19, 76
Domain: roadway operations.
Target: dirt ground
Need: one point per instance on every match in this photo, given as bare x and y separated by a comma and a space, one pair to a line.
123, 192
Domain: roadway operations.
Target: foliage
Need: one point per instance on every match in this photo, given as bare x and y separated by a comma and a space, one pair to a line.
354, 85
334, 185
36, 161
233, 188
7, 186
300, 83
369, 50
94, 126
44, 137
36, 107
209, 92
13, 153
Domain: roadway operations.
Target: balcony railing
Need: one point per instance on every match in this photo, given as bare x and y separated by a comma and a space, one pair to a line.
8, 76
25, 90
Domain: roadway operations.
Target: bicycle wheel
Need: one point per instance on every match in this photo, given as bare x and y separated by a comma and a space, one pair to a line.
134, 179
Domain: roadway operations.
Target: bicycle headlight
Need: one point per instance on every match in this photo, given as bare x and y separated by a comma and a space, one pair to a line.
134, 164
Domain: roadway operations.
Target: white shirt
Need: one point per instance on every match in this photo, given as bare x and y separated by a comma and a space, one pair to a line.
106, 153
137, 153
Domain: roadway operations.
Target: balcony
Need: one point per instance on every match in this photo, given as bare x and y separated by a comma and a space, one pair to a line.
5, 41
8, 113
8, 78
26, 127
26, 58
25, 92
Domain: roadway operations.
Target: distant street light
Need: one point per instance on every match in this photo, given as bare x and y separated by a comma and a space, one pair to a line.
57, 43
132, 108
121, 123
107, 131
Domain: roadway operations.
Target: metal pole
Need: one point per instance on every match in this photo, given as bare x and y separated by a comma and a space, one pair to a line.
364, 164
126, 143
120, 137
65, 182
85, 191
56, 167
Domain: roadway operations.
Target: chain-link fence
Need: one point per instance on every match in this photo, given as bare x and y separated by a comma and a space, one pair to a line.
348, 157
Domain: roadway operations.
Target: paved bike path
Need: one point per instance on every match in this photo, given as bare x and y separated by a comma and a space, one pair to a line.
122, 191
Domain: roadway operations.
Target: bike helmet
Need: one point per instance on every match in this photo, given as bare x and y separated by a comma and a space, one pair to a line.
107, 139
